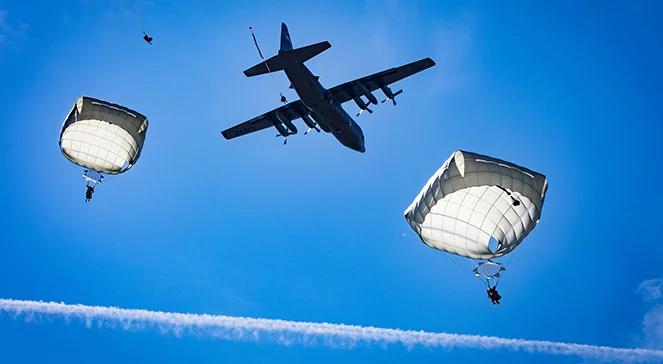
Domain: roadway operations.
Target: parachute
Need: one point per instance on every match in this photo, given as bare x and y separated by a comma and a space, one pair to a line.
478, 207
102, 137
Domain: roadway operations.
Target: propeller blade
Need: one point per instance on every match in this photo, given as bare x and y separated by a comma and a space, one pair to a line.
309, 129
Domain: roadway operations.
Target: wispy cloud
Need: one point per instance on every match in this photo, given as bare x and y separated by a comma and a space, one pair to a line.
652, 328
4, 26
9, 30
301, 333
651, 289
652, 323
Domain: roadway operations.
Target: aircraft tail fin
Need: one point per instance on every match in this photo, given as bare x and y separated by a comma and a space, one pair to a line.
286, 42
287, 55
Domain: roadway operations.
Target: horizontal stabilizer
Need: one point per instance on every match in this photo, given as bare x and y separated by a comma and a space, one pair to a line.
303, 54
295, 56
271, 65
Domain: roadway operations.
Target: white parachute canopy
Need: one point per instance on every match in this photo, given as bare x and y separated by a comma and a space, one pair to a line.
477, 206
101, 136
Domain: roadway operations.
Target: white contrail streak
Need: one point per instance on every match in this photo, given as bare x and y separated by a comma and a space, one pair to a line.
302, 333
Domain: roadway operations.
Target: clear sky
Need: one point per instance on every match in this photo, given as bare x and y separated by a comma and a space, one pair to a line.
314, 231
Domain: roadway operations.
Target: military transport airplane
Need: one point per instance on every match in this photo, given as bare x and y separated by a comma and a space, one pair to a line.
320, 106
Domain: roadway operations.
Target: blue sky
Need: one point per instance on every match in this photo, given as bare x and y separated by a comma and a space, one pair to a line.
314, 231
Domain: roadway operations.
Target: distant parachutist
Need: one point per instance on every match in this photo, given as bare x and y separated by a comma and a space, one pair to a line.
147, 38
283, 99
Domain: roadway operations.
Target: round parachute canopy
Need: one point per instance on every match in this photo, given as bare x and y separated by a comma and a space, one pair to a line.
102, 136
477, 206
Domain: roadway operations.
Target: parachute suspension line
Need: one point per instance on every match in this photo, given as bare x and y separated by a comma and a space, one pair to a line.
134, 12
255, 41
139, 23
487, 281
282, 98
461, 268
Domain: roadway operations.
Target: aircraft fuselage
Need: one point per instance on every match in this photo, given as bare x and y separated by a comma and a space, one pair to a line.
326, 111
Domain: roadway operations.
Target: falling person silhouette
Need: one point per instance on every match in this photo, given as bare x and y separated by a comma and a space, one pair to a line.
494, 295
88, 193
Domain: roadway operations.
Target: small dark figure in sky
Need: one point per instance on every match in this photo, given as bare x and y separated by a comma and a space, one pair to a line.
494, 295
88, 193
147, 38
283, 99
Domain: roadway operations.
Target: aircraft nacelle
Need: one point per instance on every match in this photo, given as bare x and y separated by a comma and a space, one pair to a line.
278, 124
291, 127
285, 123
390, 94
369, 95
362, 105
308, 121
387, 91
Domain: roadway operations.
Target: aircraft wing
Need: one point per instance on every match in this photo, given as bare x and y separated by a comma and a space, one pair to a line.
290, 111
347, 91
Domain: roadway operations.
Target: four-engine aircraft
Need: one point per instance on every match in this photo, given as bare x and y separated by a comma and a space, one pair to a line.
319, 106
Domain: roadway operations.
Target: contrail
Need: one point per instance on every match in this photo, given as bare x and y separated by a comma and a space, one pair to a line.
301, 333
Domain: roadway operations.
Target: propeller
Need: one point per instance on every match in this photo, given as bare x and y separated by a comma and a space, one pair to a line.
285, 138
309, 129
393, 97
364, 109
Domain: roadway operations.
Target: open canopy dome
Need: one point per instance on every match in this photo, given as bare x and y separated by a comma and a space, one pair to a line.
102, 136
477, 206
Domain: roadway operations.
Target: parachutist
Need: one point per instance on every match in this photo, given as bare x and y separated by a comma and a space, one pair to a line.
147, 38
123, 130
494, 295
283, 99
88, 193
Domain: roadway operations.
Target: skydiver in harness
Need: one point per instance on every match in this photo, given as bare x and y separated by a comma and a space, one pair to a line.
147, 38
88, 193
494, 295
